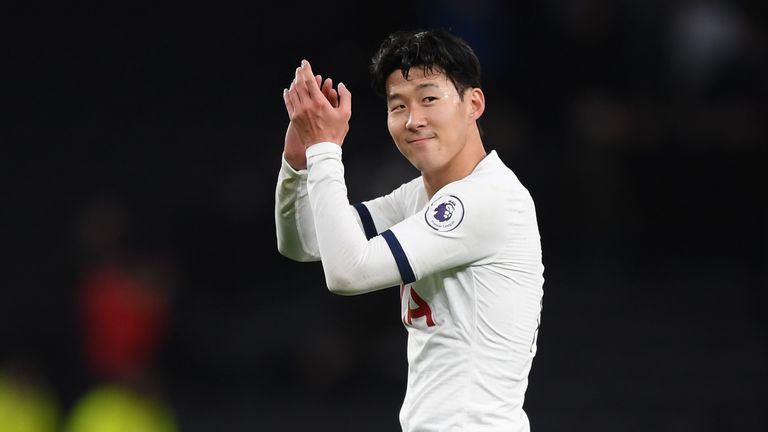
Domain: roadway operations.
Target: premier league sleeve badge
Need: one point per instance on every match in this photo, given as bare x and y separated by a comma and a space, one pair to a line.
444, 213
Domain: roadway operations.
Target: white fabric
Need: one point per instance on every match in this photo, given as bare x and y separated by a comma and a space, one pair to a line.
352, 263
472, 314
294, 222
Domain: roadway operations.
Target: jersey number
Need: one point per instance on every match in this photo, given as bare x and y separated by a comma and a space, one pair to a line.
422, 308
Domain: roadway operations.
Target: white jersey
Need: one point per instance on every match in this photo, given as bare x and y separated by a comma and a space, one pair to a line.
469, 267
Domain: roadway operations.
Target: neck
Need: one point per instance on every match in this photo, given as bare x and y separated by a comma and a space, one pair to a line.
456, 169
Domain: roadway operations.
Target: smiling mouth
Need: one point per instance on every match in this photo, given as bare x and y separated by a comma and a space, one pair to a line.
417, 140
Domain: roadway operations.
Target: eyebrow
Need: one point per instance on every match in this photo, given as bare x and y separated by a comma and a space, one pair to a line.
418, 87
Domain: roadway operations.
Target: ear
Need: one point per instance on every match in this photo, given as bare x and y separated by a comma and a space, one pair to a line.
477, 102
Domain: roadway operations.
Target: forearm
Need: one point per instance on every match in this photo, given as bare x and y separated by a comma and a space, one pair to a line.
294, 223
352, 264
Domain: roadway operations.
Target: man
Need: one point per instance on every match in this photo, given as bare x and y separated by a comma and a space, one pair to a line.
461, 240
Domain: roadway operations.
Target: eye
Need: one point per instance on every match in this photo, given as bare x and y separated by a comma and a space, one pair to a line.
429, 99
396, 108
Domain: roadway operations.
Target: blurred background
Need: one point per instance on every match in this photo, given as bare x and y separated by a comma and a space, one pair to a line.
141, 285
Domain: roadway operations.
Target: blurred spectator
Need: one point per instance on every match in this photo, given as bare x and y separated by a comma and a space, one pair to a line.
705, 37
118, 408
124, 299
123, 296
124, 312
27, 404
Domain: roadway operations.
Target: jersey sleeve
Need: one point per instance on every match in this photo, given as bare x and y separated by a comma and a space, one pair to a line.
462, 225
379, 214
352, 262
294, 223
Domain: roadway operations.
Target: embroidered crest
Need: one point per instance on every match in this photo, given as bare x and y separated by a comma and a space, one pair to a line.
445, 213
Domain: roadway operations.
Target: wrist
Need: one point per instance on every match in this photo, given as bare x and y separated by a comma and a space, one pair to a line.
295, 163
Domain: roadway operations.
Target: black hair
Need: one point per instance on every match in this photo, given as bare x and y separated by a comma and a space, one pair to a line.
433, 51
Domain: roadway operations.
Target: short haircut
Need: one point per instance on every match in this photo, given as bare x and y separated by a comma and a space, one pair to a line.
433, 51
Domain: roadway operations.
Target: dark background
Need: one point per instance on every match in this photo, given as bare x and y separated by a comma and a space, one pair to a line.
638, 127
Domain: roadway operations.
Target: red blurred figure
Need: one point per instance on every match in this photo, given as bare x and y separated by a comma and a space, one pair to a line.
124, 310
123, 294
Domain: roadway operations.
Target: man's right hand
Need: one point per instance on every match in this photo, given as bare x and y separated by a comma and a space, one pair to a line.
295, 150
315, 114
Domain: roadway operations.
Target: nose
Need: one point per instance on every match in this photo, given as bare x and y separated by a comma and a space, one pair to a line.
416, 119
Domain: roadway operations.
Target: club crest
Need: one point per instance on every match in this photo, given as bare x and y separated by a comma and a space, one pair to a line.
445, 213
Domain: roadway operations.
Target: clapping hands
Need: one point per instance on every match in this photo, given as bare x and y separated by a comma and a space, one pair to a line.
318, 113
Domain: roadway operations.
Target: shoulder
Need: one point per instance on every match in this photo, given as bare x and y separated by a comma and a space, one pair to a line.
408, 192
487, 200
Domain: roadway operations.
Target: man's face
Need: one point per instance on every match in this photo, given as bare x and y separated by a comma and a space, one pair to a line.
427, 119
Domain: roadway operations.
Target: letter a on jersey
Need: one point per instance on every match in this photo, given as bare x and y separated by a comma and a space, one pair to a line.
422, 308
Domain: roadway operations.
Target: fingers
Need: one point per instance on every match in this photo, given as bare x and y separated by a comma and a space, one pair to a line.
293, 100
307, 86
324, 87
288, 103
319, 81
330, 93
298, 85
312, 86
345, 98
327, 85
305, 83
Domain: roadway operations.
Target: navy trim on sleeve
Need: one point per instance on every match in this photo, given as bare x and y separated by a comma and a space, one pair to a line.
406, 272
367, 219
